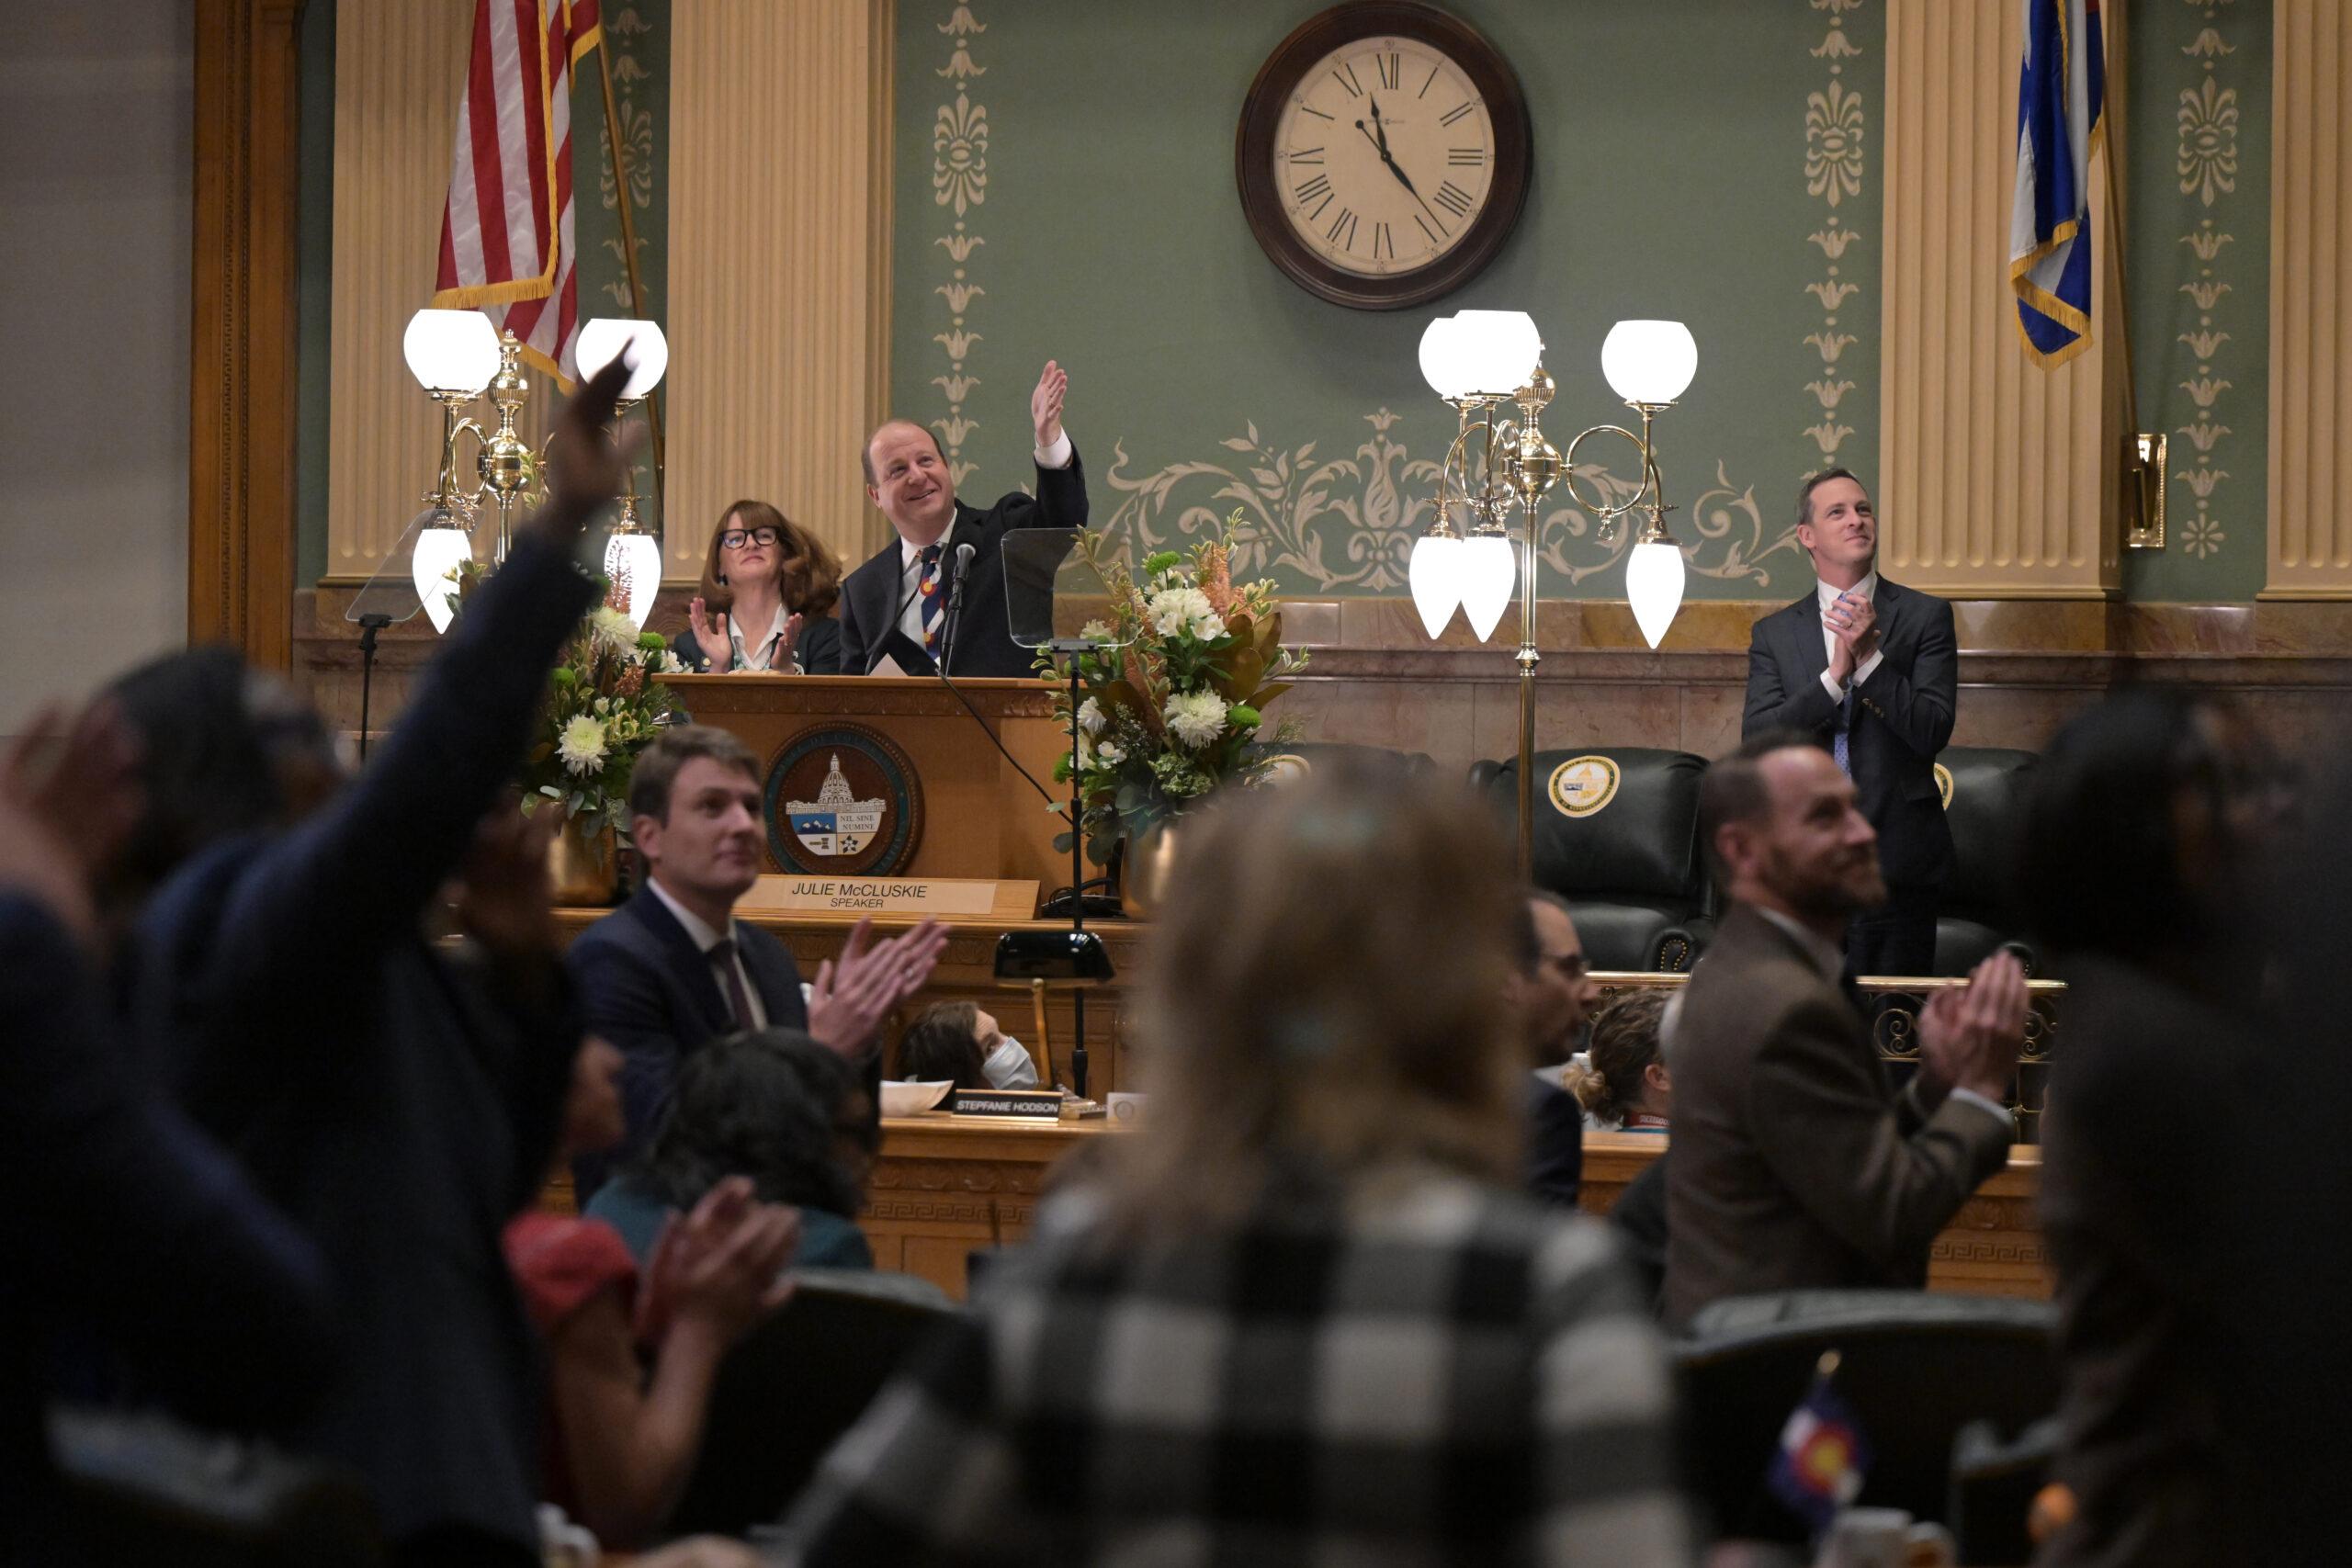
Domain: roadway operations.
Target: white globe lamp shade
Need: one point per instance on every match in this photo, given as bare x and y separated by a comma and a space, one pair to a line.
1500, 349
604, 338
1435, 574
1654, 587
1442, 364
1649, 362
1489, 572
634, 560
440, 550
451, 351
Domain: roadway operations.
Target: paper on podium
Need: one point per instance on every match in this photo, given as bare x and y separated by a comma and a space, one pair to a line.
885, 665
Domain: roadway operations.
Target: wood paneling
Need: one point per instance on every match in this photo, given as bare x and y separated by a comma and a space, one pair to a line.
2311, 304
241, 448
779, 248
1998, 478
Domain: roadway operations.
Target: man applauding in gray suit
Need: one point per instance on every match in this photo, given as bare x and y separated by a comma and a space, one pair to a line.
1795, 1165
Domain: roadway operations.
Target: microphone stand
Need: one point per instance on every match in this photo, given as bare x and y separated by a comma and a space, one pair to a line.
368, 626
1077, 897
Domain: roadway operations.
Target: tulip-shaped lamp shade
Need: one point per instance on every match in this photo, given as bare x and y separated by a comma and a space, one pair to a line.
1654, 586
451, 351
1498, 349
1649, 362
1489, 572
440, 550
1442, 362
633, 559
606, 337
1435, 573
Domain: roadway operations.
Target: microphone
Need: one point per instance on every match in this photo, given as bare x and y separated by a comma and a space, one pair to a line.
964, 553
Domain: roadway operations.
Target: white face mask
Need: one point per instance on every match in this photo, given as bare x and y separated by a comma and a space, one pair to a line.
1008, 1066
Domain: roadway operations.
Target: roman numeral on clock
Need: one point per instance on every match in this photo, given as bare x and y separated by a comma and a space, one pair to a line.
1391, 69
1315, 189
1345, 223
1456, 157
1436, 235
1453, 198
1457, 112
1348, 80
1307, 155
1384, 246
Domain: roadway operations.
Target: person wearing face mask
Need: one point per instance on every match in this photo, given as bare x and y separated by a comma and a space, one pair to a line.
1872, 670
766, 601
896, 603
956, 1042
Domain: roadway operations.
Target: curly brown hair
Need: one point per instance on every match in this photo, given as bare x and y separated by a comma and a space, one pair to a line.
810, 575
1624, 1044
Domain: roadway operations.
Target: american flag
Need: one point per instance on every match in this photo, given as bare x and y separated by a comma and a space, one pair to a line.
506, 245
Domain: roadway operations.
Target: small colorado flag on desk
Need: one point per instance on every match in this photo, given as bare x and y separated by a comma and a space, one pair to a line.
1823, 1454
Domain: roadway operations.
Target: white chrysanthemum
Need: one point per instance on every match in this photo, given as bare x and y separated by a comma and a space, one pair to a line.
1090, 717
1207, 627
670, 664
1177, 610
1110, 754
613, 628
582, 745
1196, 718
1095, 631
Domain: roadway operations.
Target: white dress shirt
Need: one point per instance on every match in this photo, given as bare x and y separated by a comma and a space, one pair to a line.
755, 653
1831, 961
705, 938
1057, 456
1866, 589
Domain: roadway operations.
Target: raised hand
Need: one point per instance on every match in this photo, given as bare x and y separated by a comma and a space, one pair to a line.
710, 636
506, 895
1045, 405
585, 464
68, 798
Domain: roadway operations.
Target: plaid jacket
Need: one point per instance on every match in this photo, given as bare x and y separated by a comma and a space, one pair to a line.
1436, 1372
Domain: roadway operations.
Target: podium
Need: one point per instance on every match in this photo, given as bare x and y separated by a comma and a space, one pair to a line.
897, 775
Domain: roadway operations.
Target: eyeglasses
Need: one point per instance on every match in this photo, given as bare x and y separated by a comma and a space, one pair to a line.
736, 538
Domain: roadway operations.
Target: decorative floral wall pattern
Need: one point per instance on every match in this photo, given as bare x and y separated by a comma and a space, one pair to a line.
959, 184
2207, 166
1835, 128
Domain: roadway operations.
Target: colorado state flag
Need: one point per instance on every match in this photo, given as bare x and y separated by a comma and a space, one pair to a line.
2059, 96
1823, 1455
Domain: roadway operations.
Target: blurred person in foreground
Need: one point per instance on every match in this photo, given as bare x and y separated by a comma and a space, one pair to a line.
399, 1105
2149, 825
1795, 1165
129, 1228
630, 1370
1306, 1315
1552, 992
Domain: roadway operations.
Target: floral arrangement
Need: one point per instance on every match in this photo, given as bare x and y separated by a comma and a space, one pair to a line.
606, 704
1172, 704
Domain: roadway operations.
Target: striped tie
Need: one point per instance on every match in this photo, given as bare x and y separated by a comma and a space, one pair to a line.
933, 601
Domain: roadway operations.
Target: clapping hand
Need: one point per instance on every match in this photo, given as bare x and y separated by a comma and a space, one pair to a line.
1045, 405
710, 635
1853, 620
1970, 1035
68, 798
851, 999
720, 1267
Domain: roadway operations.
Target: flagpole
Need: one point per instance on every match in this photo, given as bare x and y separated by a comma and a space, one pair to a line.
2122, 285
2145, 464
629, 259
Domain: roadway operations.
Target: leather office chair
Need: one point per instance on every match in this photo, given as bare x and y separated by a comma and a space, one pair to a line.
794, 1385
1984, 797
1915, 1367
1298, 755
1617, 836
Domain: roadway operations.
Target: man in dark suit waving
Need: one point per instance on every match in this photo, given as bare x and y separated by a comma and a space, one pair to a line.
1872, 669
900, 603
672, 969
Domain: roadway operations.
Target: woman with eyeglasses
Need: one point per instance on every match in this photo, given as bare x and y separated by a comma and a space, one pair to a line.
766, 601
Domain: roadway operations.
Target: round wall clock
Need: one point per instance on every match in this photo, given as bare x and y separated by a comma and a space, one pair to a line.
1383, 153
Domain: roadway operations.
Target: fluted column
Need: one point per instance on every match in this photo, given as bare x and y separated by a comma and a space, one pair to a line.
779, 264
1997, 478
2311, 304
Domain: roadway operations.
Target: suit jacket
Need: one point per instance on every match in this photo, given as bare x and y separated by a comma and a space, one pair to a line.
1795, 1167
644, 985
1555, 1143
134, 1230
818, 647
401, 1109
983, 642
1903, 716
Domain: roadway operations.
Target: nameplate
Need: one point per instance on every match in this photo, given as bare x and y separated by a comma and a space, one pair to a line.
948, 897
1018, 1104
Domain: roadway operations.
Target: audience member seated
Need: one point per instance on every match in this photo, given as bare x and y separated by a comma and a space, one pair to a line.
130, 1230
2145, 835
623, 1441
1623, 1082
956, 1042
766, 601
672, 968
1551, 993
1795, 1166
776, 1107
399, 1105
1305, 1316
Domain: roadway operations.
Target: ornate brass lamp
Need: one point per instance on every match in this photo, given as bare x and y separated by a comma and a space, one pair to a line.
1498, 462
632, 554
453, 354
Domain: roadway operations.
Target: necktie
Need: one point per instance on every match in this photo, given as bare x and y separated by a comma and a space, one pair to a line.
933, 603
722, 953
1841, 741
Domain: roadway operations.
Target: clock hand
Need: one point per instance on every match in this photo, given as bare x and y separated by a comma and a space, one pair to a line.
1380, 131
1402, 177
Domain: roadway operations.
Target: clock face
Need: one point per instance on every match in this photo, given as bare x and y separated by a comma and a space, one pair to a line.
1385, 156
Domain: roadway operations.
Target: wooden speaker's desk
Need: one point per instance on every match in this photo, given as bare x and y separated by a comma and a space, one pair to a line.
946, 1187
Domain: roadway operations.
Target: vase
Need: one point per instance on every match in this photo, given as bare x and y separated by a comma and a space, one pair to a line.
1145, 858
583, 867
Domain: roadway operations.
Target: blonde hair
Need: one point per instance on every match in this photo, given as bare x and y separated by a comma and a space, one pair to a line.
1325, 996
1624, 1044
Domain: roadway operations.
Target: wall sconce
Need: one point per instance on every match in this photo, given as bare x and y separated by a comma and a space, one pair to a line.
632, 554
453, 354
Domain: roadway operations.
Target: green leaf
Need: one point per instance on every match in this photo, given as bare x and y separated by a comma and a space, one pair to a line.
1062, 843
